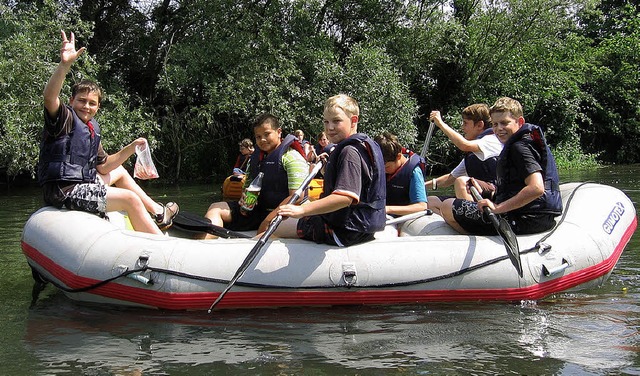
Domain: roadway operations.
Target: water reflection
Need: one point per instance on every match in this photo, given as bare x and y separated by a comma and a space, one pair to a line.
582, 331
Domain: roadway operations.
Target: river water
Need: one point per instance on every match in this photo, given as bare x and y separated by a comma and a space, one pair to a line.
593, 332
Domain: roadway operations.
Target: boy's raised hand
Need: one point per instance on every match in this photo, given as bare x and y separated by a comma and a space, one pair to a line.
68, 52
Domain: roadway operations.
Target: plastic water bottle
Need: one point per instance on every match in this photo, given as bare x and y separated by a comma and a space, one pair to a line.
250, 194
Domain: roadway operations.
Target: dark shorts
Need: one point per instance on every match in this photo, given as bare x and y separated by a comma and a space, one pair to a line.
89, 197
468, 216
316, 229
241, 222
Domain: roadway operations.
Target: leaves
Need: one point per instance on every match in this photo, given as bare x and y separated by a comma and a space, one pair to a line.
191, 75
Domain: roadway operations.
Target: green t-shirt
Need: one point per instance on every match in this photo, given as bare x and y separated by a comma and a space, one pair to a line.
294, 164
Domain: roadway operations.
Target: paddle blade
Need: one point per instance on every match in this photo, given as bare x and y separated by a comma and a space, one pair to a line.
511, 244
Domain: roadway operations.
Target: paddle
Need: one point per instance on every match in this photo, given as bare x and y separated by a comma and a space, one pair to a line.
409, 217
504, 230
192, 222
427, 140
268, 232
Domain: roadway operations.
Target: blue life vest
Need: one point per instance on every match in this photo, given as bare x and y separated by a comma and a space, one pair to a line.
70, 157
368, 215
319, 149
399, 183
483, 170
550, 202
275, 182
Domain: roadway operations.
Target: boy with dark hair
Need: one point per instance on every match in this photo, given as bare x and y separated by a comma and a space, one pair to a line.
73, 168
284, 168
351, 207
406, 193
527, 186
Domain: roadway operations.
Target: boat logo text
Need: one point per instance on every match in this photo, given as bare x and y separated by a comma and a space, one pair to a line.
613, 218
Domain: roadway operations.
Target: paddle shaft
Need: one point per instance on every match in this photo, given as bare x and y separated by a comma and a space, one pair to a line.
265, 236
505, 231
492, 216
427, 139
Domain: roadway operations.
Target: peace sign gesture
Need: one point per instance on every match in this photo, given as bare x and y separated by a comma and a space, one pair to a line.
68, 52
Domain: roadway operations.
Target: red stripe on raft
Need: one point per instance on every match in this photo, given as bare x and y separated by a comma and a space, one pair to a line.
254, 299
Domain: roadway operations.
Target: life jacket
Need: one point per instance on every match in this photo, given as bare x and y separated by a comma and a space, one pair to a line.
483, 170
71, 157
241, 161
368, 215
550, 202
399, 183
275, 182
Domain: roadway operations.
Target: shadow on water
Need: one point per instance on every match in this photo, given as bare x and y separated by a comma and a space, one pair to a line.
590, 332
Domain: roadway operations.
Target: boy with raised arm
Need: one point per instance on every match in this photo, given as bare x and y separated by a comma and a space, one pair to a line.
73, 168
527, 186
351, 207
481, 148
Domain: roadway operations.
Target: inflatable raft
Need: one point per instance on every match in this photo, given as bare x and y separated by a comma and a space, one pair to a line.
423, 260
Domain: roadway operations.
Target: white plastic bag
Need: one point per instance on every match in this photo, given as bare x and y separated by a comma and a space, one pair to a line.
144, 168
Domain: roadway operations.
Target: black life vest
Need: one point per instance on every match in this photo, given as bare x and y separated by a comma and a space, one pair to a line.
507, 186
71, 157
275, 183
399, 183
368, 215
483, 170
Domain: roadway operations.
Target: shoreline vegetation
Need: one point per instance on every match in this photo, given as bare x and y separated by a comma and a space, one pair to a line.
189, 76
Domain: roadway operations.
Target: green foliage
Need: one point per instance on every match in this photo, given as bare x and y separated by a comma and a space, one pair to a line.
31, 40
611, 120
385, 101
190, 75
25, 66
570, 157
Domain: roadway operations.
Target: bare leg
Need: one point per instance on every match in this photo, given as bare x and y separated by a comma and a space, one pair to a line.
434, 203
460, 186
446, 211
120, 178
288, 229
123, 199
218, 213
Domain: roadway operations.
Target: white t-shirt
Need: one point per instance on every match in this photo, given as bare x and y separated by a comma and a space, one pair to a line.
489, 146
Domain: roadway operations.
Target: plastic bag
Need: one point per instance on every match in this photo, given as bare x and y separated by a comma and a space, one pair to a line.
144, 168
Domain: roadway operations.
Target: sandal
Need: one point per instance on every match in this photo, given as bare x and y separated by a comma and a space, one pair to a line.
169, 212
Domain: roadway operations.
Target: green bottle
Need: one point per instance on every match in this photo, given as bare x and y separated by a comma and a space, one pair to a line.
250, 194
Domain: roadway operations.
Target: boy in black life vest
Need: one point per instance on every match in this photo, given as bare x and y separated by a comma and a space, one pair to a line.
351, 207
406, 193
284, 166
74, 170
481, 148
527, 187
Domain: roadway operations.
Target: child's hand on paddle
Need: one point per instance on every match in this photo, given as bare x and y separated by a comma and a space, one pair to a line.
293, 211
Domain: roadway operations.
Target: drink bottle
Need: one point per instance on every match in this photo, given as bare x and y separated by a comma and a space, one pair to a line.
250, 194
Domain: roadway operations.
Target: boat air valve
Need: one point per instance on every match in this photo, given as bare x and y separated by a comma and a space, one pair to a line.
141, 263
349, 273
551, 271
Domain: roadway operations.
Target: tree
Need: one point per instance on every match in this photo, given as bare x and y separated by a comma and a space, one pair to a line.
611, 122
31, 39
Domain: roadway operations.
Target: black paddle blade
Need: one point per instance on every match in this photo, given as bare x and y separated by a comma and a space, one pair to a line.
511, 244
195, 223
